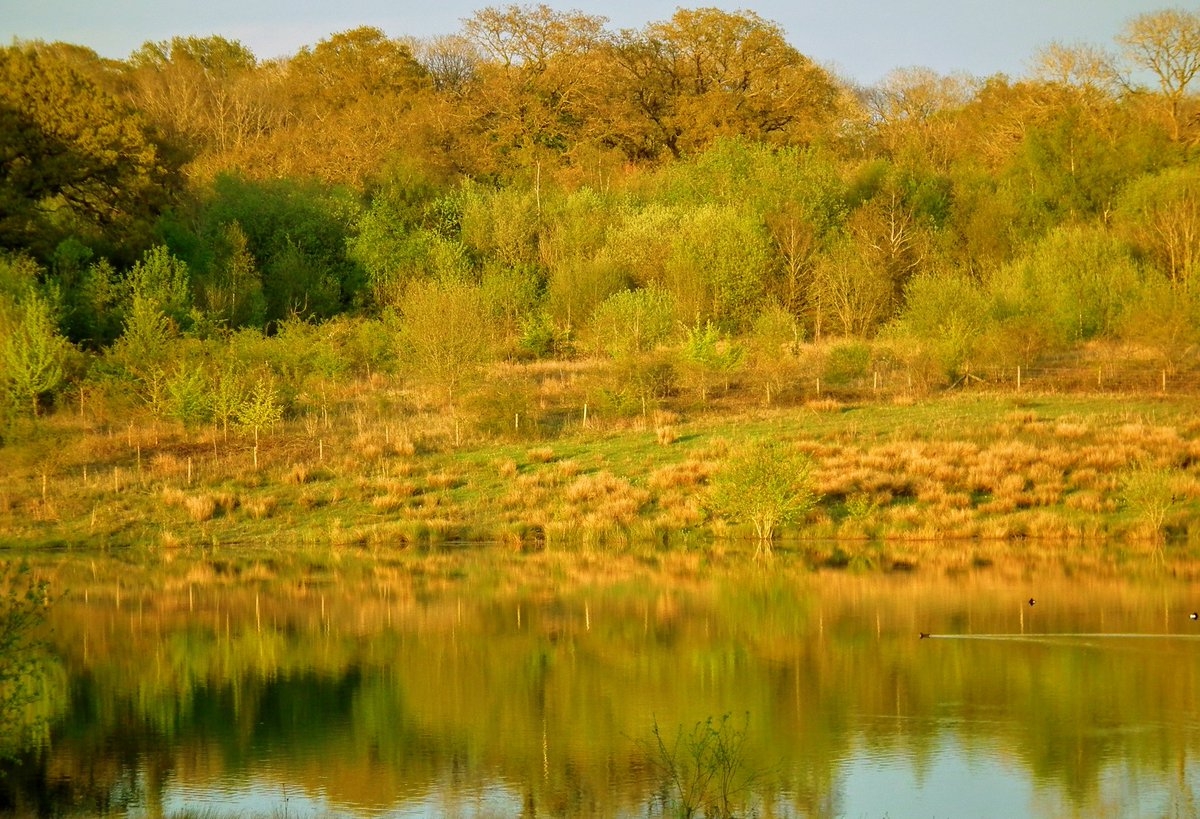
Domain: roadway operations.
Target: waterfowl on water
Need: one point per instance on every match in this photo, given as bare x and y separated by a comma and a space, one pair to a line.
1195, 615
924, 635
1031, 601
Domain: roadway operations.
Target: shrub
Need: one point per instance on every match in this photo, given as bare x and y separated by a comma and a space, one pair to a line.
765, 485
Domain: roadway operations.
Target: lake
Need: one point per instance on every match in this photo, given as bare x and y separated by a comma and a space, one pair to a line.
486, 682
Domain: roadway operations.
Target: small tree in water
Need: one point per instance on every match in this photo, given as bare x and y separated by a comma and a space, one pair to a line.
766, 485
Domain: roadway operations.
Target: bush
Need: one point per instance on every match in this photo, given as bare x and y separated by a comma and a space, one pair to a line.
846, 363
766, 485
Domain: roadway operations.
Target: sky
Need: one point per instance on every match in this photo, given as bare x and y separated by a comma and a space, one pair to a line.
862, 40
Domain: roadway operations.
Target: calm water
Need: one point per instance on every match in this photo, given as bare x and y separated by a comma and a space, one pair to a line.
485, 683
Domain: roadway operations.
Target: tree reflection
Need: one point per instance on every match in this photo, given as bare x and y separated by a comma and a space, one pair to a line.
367, 687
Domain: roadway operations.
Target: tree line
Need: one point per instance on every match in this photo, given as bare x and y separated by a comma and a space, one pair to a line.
538, 185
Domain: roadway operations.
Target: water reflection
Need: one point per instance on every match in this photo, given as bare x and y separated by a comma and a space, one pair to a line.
483, 683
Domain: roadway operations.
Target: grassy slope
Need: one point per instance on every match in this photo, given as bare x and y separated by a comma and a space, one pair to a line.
946, 471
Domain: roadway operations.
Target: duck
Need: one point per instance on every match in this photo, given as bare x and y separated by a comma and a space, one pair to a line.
1195, 615
1031, 601
924, 635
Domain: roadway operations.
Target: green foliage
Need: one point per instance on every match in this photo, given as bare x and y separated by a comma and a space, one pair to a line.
1076, 282
32, 353
164, 281
1160, 215
1164, 319
706, 769
145, 345
72, 158
188, 396
631, 322
949, 313
718, 267
261, 409
846, 362
393, 252
709, 360
767, 485
23, 665
1148, 492
446, 335
297, 234
232, 292
772, 347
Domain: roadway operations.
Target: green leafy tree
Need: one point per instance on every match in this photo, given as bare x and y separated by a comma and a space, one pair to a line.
33, 353
632, 322
71, 156
1160, 215
232, 292
163, 280
765, 485
446, 334
261, 410
708, 360
949, 313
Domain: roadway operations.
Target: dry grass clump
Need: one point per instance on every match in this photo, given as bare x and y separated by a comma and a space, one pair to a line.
167, 465
445, 480
298, 475
260, 507
1089, 500
664, 427
824, 405
506, 467
604, 498
686, 475
403, 445
1070, 429
395, 495
540, 455
201, 507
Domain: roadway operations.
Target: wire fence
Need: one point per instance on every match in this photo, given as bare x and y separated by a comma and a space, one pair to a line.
1108, 378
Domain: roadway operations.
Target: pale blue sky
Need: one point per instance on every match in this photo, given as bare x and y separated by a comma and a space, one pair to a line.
862, 39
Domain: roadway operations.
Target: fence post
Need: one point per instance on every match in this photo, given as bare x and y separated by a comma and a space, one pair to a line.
1164, 380
1018, 378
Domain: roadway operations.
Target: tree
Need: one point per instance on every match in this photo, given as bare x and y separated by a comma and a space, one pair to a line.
632, 322
71, 156
766, 485
32, 353
1160, 214
538, 80
707, 73
445, 333
949, 313
1166, 43
233, 289
164, 281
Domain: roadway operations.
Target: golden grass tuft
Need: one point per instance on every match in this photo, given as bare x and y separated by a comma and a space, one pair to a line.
298, 475
824, 405
260, 507
445, 480
540, 455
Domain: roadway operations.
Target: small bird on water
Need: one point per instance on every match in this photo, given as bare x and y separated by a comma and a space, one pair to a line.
924, 635
1195, 615
1031, 601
